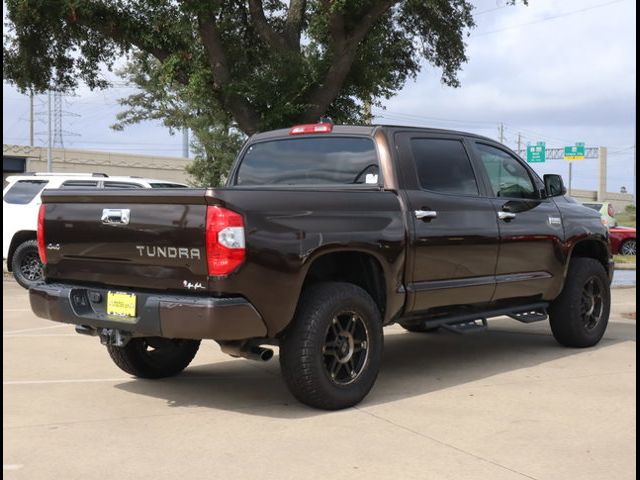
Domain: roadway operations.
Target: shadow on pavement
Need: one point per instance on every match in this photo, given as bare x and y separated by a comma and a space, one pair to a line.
413, 364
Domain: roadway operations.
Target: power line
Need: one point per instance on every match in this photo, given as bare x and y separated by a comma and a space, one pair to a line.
489, 10
546, 19
386, 113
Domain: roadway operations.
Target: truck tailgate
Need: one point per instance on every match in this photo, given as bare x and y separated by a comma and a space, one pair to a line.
151, 239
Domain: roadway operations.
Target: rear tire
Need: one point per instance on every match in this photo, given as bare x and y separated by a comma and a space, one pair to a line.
26, 265
154, 357
579, 316
331, 353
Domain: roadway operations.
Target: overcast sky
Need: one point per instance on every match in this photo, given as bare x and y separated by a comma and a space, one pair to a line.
554, 71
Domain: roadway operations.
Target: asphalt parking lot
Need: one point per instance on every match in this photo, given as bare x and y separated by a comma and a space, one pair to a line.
506, 404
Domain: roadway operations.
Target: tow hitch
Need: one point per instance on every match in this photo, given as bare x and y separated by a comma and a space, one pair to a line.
108, 336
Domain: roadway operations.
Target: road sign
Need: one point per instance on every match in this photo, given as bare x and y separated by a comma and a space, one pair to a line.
576, 152
536, 153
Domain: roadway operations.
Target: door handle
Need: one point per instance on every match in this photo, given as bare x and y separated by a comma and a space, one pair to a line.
116, 216
425, 214
506, 216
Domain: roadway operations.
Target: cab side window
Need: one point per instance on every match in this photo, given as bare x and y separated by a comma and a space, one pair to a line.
508, 177
79, 184
443, 166
111, 185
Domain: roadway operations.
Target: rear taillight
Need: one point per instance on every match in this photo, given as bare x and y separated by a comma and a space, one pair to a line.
224, 240
40, 234
611, 211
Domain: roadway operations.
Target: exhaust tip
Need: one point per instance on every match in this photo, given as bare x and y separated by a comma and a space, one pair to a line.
266, 354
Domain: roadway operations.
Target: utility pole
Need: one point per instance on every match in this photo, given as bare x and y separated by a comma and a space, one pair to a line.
602, 185
501, 130
31, 119
519, 143
50, 135
185, 142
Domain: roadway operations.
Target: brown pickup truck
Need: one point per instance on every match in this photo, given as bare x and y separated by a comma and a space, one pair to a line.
323, 235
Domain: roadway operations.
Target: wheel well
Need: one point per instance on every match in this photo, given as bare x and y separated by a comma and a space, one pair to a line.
19, 238
592, 249
358, 268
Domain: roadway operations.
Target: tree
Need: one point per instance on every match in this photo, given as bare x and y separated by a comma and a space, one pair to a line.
262, 63
180, 106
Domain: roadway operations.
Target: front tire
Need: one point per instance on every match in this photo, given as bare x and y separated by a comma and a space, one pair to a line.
331, 354
26, 265
579, 316
154, 357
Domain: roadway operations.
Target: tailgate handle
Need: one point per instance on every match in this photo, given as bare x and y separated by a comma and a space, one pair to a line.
116, 216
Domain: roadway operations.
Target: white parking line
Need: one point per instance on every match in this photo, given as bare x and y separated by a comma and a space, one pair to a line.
33, 329
11, 466
44, 335
79, 380
16, 309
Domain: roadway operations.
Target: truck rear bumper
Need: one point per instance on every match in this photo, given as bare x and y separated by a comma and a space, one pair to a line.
158, 315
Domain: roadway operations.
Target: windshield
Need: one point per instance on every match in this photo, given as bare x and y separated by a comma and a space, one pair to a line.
310, 161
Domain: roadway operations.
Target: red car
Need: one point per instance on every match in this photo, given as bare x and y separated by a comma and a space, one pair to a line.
623, 240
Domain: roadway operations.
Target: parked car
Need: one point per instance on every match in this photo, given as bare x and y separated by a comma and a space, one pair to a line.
323, 235
607, 212
20, 203
623, 240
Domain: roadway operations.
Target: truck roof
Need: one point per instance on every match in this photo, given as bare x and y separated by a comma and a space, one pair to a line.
368, 130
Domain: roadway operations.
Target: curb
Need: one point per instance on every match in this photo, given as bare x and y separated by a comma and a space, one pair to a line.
625, 266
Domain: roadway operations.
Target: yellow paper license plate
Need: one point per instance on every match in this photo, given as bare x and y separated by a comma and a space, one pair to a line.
121, 304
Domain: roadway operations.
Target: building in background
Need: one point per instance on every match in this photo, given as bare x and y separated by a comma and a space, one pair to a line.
18, 159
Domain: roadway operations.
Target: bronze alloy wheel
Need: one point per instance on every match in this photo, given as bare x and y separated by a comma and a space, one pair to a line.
592, 302
345, 348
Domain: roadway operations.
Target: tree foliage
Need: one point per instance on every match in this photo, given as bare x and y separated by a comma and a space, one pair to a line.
177, 106
264, 63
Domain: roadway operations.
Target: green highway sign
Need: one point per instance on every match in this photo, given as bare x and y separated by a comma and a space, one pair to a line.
536, 153
576, 152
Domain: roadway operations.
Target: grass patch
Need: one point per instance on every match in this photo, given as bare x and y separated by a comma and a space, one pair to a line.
627, 218
627, 259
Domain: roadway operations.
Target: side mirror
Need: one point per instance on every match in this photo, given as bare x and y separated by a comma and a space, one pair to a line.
554, 186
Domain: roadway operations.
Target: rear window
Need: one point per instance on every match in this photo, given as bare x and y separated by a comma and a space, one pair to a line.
23, 191
310, 161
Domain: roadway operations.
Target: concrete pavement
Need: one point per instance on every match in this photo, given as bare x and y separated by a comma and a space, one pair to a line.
506, 404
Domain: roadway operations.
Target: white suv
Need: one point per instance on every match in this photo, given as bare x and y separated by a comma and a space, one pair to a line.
20, 204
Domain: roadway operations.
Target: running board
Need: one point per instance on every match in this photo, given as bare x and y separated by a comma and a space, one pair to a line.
530, 316
474, 326
468, 322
